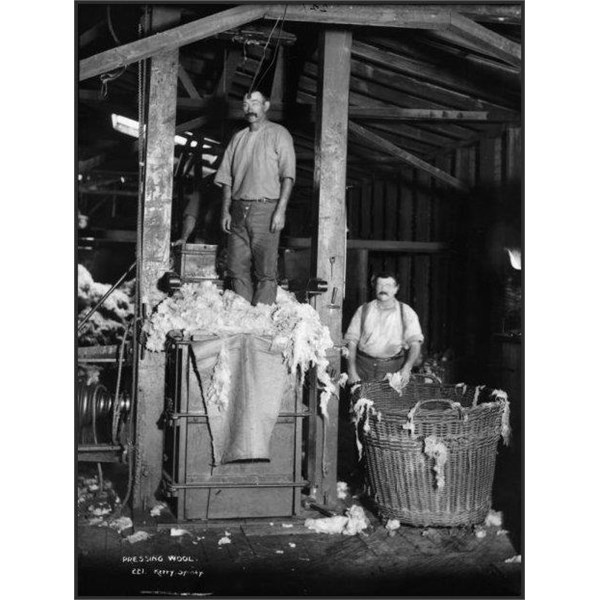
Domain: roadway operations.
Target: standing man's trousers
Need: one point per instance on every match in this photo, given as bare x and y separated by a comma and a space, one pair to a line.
252, 245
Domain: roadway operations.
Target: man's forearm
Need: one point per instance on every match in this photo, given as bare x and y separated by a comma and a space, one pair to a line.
284, 195
226, 203
413, 354
352, 359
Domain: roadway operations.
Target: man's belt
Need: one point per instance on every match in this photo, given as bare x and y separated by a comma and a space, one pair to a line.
262, 200
390, 358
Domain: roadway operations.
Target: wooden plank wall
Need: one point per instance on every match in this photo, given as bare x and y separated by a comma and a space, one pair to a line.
446, 288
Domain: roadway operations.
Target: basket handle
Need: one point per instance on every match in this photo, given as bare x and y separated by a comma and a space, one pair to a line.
410, 424
451, 403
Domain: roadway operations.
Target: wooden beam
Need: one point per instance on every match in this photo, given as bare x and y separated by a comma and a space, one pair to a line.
472, 141
376, 15
368, 159
514, 151
230, 65
329, 259
362, 274
155, 250
509, 14
413, 17
366, 135
369, 92
424, 17
407, 91
393, 113
187, 83
168, 40
439, 75
307, 111
191, 124
488, 41
115, 193
376, 245
84, 166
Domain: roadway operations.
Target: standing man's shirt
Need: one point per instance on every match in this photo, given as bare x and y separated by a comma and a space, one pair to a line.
255, 162
384, 333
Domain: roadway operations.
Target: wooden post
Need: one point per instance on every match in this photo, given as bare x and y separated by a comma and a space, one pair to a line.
329, 252
362, 275
158, 188
406, 232
513, 154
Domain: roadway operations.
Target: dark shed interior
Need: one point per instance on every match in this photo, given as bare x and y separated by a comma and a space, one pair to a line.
433, 168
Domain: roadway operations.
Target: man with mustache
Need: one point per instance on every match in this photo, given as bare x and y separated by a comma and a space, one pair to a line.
384, 335
257, 174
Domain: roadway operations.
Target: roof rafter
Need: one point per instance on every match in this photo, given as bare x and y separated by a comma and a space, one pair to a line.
414, 17
488, 41
418, 68
187, 83
168, 40
408, 158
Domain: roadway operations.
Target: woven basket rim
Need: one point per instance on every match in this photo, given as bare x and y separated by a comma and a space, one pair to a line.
403, 411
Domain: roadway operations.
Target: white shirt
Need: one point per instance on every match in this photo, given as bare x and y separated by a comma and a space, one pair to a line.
386, 331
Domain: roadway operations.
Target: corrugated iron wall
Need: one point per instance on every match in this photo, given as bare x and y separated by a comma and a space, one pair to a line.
447, 289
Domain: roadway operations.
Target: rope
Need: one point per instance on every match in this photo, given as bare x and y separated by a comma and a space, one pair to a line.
274, 51
110, 26
263, 57
105, 78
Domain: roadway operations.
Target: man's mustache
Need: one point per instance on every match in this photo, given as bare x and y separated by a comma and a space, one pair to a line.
251, 114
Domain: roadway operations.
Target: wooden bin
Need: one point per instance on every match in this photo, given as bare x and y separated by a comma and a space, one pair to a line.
197, 262
233, 490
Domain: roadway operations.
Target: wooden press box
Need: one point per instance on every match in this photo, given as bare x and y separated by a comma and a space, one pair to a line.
234, 490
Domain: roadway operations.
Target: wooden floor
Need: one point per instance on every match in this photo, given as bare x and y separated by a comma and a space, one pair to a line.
270, 558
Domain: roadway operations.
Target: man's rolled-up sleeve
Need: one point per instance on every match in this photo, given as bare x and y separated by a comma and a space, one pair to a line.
353, 332
223, 175
412, 328
286, 156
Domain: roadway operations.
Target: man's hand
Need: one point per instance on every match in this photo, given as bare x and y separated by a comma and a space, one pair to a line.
352, 376
226, 223
404, 376
277, 221
179, 242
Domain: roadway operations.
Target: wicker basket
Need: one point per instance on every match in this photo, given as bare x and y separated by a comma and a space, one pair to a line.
431, 452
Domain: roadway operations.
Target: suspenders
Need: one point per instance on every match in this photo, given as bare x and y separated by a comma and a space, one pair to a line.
363, 316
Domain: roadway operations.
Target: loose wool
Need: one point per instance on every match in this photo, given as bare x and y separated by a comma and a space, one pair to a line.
295, 328
437, 450
352, 523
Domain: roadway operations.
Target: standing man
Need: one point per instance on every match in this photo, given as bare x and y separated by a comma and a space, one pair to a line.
384, 335
257, 174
